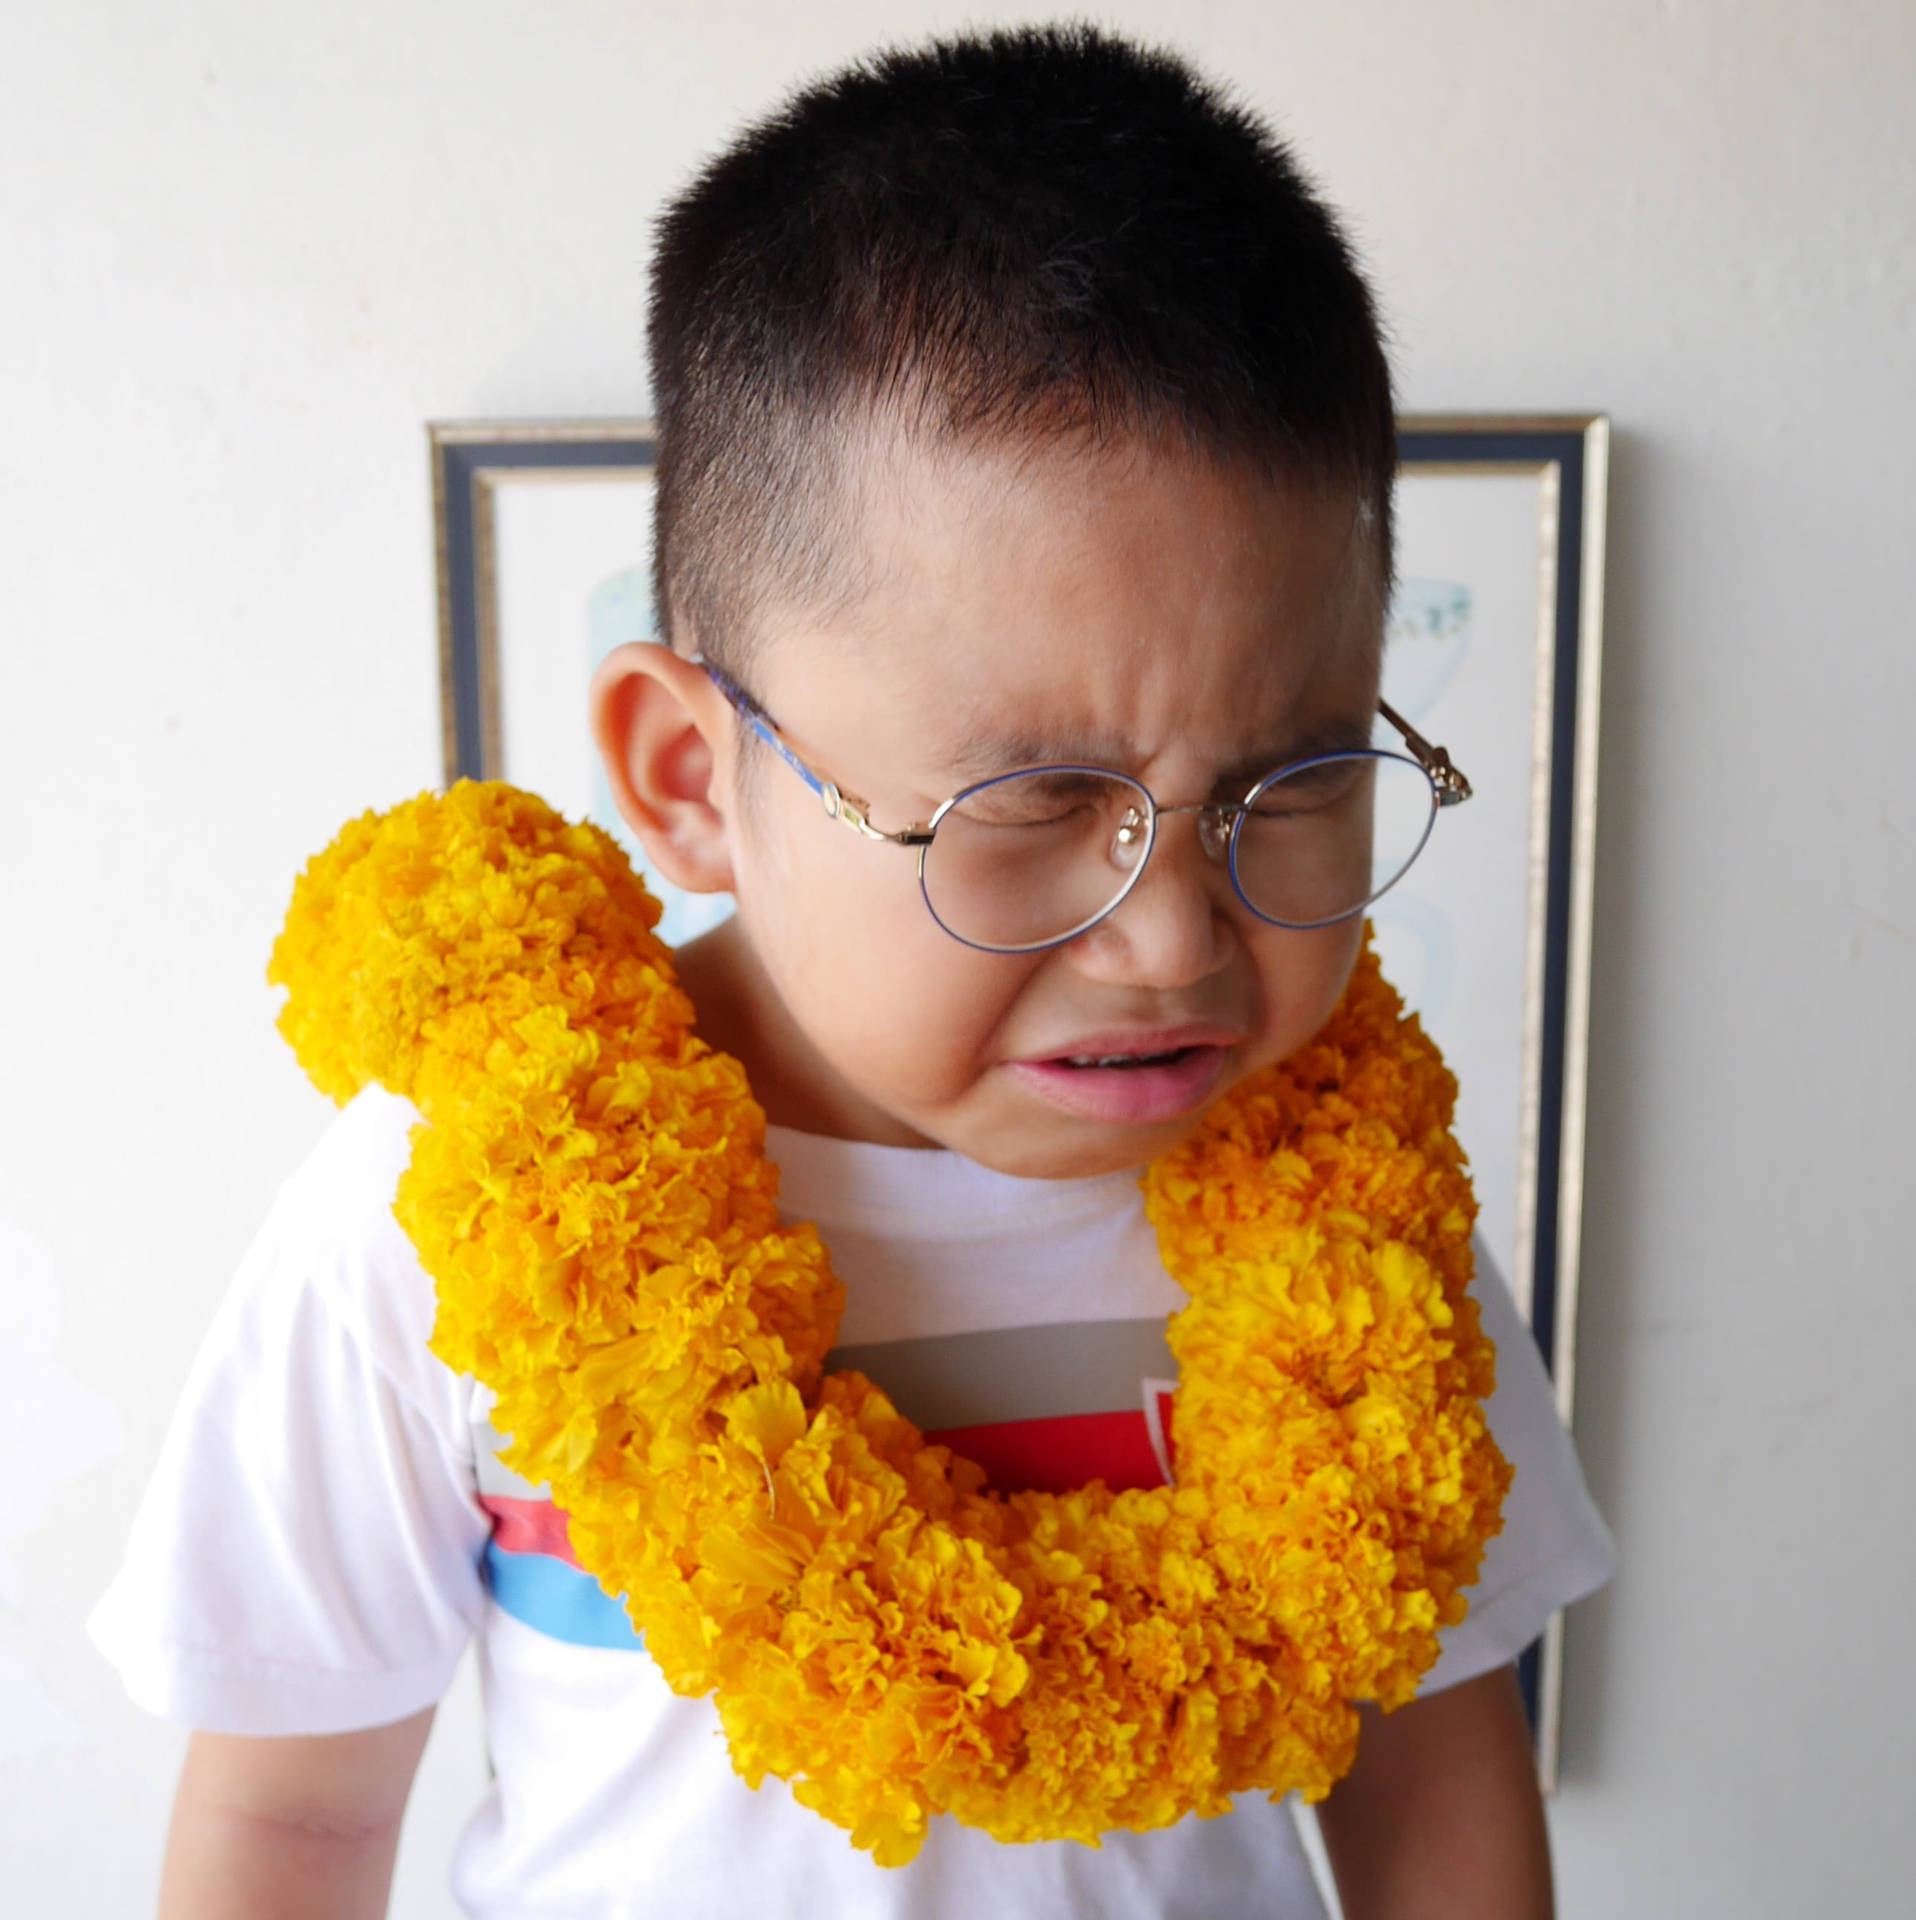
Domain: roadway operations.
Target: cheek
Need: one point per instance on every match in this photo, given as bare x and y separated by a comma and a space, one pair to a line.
891, 1001
1304, 975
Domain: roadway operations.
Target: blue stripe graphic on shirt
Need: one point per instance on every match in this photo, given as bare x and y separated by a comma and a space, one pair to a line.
559, 1601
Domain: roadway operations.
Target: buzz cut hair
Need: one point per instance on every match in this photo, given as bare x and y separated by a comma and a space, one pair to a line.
1018, 236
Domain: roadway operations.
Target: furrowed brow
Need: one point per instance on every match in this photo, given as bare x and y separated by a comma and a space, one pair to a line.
1332, 736
978, 755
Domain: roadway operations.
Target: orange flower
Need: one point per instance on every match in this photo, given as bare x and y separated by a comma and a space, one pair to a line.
591, 1196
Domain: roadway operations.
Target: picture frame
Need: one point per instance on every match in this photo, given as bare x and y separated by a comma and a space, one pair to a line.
543, 536
1501, 523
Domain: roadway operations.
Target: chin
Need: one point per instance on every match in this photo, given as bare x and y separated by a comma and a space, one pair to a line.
1058, 1149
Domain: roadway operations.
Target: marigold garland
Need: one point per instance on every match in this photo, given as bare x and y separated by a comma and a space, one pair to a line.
591, 1195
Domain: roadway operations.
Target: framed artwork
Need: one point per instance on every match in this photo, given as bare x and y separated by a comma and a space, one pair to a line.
1494, 650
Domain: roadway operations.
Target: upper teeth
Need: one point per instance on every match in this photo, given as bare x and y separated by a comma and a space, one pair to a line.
1112, 1059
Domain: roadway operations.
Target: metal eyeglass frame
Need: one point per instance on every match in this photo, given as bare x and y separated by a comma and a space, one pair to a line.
1219, 824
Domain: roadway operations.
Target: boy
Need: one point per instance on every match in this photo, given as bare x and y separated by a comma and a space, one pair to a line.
1019, 409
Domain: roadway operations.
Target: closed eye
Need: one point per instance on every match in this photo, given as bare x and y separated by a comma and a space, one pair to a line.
1041, 799
1314, 788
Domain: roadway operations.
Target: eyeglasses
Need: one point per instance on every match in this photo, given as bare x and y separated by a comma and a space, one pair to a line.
1029, 860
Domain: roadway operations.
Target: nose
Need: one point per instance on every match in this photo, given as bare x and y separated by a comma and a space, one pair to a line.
1174, 927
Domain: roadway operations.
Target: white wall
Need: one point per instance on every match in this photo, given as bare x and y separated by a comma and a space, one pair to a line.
248, 246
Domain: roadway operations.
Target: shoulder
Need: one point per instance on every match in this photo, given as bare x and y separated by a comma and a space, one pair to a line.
331, 1232
1554, 1546
344, 1188
306, 1557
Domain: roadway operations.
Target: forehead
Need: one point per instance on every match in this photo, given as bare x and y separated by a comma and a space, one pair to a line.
1121, 604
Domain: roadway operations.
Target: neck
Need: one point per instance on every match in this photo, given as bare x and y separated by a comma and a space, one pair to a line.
741, 1012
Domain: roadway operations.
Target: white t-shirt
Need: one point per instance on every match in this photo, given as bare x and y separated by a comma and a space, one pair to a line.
327, 1528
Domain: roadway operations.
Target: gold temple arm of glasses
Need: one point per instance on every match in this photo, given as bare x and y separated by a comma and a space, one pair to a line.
841, 806
1452, 788
838, 804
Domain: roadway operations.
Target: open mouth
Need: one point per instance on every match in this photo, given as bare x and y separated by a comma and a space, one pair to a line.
1130, 1061
1127, 1088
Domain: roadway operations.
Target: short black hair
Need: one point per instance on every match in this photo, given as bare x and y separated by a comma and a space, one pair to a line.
1018, 233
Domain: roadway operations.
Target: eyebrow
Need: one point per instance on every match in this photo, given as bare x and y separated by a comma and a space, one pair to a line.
979, 755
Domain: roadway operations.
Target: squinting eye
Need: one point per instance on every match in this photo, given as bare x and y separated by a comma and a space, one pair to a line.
1310, 790
1024, 818
1048, 800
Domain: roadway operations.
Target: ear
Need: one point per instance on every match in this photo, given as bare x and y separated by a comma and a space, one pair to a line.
664, 734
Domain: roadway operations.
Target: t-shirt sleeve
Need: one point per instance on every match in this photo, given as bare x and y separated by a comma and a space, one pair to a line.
1554, 1547
306, 1557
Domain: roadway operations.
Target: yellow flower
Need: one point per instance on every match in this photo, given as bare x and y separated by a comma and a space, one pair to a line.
591, 1197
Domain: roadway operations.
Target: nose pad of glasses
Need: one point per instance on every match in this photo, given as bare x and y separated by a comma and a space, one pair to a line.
1214, 832
1127, 843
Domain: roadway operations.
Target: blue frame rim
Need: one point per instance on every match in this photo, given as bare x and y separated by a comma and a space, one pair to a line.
461, 454
1563, 442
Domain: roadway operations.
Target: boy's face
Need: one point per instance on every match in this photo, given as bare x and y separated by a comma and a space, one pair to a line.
1132, 608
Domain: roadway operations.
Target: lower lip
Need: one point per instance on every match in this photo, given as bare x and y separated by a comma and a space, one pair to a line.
1126, 1096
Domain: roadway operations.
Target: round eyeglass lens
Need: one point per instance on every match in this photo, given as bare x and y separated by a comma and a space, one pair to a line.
1025, 860
1319, 842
